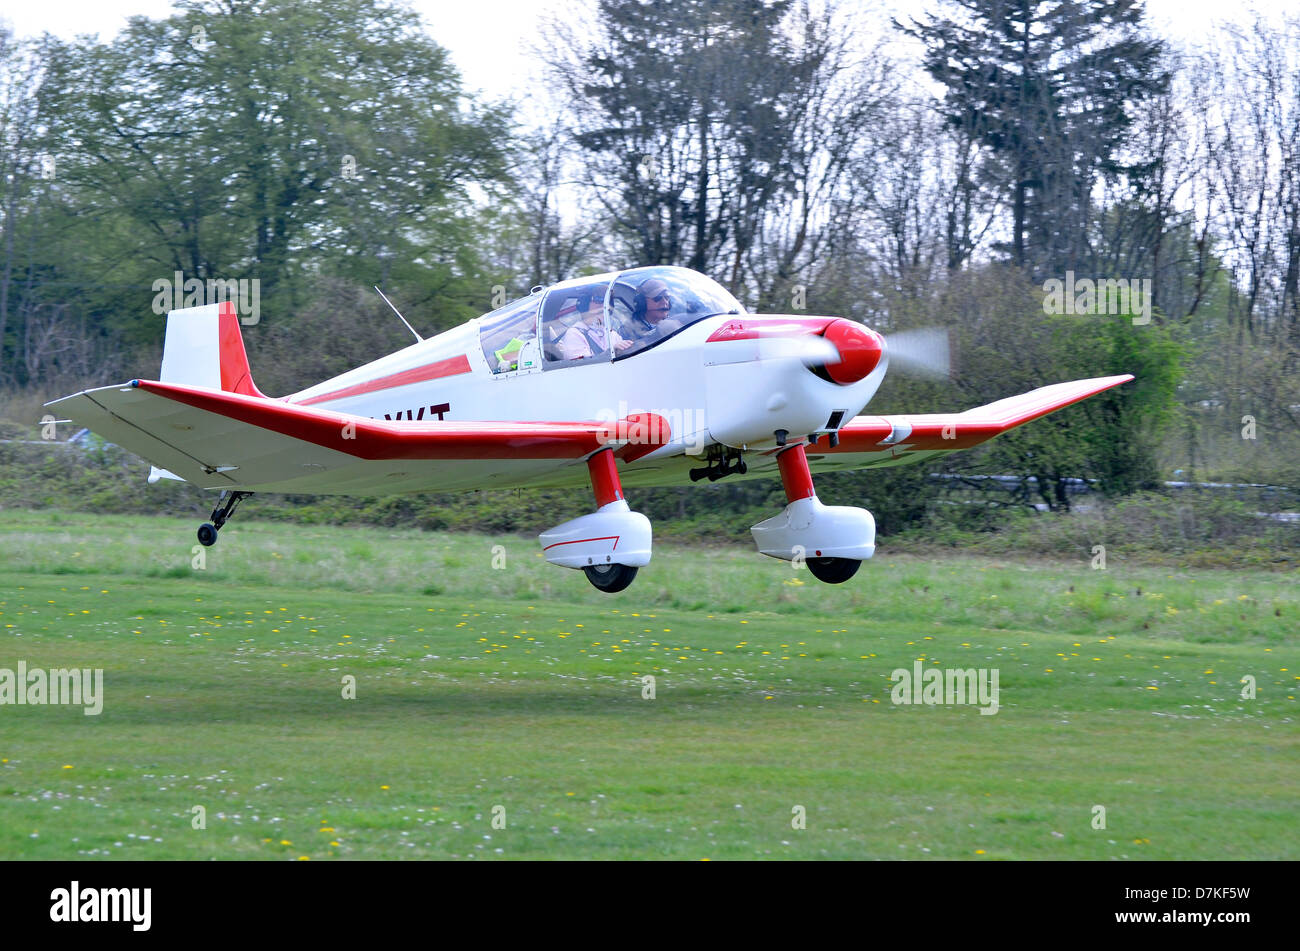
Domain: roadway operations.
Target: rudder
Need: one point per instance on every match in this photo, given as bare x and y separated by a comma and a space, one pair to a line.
204, 347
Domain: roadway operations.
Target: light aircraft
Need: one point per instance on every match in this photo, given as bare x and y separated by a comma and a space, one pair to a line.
533, 394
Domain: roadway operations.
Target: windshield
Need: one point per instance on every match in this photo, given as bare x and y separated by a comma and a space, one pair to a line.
650, 304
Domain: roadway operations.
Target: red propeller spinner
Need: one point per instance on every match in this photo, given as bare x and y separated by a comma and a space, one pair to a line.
860, 351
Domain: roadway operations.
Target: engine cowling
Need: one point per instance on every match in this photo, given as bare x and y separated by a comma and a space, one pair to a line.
795, 374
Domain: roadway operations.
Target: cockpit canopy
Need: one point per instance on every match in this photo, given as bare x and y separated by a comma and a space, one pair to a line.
649, 304
596, 319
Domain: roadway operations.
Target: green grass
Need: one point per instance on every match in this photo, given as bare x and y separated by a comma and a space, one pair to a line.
521, 688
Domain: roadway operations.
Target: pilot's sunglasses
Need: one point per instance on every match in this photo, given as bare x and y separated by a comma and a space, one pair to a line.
660, 298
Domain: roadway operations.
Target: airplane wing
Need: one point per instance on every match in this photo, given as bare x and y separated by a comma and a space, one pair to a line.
223, 440
868, 441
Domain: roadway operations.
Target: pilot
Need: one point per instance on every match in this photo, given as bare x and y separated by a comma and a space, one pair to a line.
650, 320
589, 336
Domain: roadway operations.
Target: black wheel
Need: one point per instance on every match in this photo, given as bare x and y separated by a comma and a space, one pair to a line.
610, 578
207, 534
833, 570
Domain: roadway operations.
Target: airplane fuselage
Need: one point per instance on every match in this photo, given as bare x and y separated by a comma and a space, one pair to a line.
707, 393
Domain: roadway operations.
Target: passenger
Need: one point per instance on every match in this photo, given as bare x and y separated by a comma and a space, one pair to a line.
650, 320
589, 336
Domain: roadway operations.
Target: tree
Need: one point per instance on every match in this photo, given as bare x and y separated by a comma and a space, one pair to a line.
274, 140
549, 233
1006, 344
719, 133
22, 162
1049, 87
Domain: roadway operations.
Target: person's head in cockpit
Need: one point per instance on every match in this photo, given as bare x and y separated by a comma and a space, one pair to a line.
651, 306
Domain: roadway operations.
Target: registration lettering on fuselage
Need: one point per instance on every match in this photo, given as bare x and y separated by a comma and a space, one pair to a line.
438, 409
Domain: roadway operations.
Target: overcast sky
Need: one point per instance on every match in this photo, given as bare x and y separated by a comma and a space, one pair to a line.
489, 39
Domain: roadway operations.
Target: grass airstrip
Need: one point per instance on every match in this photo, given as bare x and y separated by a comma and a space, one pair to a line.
501, 710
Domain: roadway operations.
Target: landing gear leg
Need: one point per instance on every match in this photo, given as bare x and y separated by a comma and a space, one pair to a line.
611, 543
225, 509
832, 540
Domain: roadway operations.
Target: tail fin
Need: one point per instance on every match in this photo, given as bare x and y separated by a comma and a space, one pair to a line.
204, 347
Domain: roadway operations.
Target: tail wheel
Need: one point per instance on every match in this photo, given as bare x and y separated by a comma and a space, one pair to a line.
833, 570
610, 578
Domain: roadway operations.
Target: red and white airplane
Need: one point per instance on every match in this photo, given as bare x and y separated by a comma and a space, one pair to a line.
655, 376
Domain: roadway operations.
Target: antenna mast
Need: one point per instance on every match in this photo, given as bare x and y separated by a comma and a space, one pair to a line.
398, 313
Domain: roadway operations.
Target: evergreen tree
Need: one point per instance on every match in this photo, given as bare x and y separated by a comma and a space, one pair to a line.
1050, 88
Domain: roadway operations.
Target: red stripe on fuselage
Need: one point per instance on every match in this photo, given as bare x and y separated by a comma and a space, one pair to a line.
452, 366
